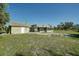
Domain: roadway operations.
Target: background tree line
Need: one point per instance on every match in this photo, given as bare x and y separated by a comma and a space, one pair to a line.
67, 26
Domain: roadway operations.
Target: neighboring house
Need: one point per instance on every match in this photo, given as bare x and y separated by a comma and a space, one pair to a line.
16, 28
41, 28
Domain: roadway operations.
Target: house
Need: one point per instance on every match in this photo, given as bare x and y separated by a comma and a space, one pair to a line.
41, 28
16, 28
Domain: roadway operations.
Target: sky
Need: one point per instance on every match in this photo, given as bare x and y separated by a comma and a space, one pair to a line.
43, 13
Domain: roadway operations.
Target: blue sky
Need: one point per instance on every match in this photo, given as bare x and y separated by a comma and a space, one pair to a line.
43, 13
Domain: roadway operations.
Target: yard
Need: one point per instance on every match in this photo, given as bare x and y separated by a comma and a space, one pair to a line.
38, 45
66, 31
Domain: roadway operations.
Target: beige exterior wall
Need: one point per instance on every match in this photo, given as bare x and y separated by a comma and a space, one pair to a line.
18, 30
27, 30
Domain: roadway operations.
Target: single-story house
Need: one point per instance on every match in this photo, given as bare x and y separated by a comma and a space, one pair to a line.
16, 28
41, 28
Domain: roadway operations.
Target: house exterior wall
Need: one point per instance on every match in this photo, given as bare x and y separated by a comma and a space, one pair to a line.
18, 30
22, 29
27, 30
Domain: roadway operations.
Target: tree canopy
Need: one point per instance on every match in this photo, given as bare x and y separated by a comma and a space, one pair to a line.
4, 16
67, 26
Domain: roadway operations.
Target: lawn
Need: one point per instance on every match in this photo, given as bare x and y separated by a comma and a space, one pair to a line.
38, 45
66, 31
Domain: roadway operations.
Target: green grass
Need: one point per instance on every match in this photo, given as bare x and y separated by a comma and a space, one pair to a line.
66, 31
33, 45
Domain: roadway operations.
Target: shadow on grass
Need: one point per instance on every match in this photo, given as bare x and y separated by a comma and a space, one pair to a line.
72, 35
19, 54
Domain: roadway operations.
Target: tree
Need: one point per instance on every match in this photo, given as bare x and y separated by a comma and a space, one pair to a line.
4, 16
65, 25
76, 27
45, 29
68, 25
60, 26
33, 27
